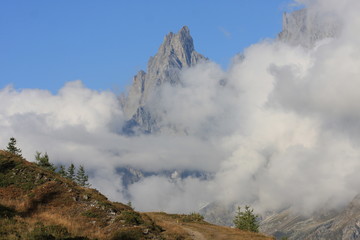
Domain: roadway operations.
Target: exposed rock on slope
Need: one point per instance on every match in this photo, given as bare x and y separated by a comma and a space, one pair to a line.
176, 53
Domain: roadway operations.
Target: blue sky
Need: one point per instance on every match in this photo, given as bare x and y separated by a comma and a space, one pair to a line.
44, 43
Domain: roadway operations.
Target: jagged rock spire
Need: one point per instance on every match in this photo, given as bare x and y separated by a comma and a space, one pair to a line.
177, 50
175, 53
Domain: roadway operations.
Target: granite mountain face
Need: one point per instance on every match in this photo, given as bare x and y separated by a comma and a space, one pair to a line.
305, 27
175, 53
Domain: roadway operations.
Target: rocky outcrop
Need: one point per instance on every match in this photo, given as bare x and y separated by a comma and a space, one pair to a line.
176, 53
306, 27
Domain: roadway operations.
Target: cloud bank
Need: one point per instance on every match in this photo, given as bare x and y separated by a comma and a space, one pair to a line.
281, 127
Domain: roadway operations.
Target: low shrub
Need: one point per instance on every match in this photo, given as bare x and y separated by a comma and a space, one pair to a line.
193, 217
91, 214
6, 212
5, 181
50, 232
6, 164
131, 217
128, 234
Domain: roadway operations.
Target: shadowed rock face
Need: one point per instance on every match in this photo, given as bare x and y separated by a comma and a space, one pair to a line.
175, 53
305, 27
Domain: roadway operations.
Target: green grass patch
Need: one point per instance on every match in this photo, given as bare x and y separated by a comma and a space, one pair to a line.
131, 217
51, 232
92, 213
128, 234
192, 217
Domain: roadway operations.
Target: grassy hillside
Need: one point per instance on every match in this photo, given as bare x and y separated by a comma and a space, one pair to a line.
187, 227
36, 203
39, 204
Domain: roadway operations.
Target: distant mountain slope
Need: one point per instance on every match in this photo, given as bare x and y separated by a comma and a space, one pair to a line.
305, 27
38, 204
341, 224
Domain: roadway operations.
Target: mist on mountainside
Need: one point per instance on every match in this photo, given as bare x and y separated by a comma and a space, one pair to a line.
280, 127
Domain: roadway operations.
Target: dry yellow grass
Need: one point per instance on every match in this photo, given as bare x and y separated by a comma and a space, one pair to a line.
37, 195
203, 230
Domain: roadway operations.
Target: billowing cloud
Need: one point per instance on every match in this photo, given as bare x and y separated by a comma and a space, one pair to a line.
81, 126
279, 128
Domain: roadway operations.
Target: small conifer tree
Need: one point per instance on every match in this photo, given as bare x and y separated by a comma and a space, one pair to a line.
246, 220
43, 161
81, 177
62, 170
11, 147
71, 172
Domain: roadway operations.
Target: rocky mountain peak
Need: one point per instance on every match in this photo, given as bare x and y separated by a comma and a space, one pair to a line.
180, 45
175, 53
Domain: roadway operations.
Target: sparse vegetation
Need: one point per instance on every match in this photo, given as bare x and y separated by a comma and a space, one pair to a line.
6, 212
44, 162
11, 147
246, 220
71, 172
193, 217
18, 228
128, 234
48, 232
81, 178
91, 213
131, 218
6, 164
62, 171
